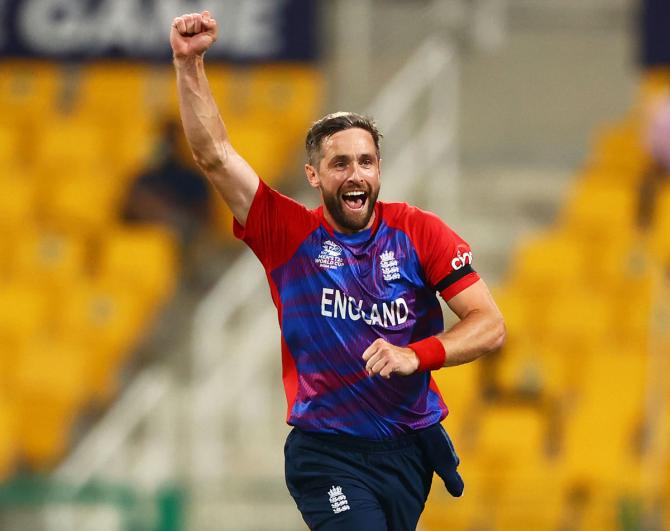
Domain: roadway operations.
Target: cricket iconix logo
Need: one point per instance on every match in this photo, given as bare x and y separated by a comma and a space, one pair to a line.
330, 256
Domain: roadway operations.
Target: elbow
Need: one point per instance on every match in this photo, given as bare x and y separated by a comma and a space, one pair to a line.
498, 334
211, 160
208, 162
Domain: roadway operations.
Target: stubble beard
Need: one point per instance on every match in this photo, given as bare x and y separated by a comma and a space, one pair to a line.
349, 220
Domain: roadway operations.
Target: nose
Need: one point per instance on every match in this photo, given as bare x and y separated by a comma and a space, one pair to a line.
356, 174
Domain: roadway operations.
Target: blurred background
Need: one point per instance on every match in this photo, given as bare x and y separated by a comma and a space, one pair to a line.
140, 384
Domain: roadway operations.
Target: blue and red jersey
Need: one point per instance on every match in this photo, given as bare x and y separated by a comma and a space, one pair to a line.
337, 293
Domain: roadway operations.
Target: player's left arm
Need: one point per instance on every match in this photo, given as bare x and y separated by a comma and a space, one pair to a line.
480, 329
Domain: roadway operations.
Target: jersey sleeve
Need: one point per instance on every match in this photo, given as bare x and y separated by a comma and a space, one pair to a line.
275, 226
446, 258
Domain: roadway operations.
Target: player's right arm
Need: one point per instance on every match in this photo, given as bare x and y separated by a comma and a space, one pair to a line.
190, 37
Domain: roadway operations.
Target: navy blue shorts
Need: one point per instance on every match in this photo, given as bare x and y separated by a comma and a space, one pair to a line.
346, 483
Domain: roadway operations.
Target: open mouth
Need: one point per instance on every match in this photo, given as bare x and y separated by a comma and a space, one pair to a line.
355, 200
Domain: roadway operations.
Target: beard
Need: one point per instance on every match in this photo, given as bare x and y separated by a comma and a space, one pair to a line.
350, 220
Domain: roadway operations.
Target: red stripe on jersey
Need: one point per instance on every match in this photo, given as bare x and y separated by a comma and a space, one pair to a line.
459, 285
289, 376
433, 387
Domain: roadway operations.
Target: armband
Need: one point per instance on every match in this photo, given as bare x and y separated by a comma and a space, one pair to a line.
430, 352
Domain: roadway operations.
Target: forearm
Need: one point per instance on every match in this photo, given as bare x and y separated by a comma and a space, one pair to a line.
476, 334
203, 126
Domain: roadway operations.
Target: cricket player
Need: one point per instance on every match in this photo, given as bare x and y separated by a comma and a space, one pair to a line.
355, 283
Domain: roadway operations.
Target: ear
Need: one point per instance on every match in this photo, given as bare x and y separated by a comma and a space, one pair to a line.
380, 168
312, 176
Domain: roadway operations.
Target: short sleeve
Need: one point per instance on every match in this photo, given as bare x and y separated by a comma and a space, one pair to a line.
275, 226
446, 258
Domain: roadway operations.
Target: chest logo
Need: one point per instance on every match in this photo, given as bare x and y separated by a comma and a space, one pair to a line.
330, 256
389, 266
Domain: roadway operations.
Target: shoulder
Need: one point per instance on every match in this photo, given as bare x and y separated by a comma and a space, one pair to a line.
412, 220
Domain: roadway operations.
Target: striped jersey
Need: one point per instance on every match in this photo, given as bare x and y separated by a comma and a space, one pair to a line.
337, 293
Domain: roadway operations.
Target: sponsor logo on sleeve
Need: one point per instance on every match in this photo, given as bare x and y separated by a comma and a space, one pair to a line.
461, 260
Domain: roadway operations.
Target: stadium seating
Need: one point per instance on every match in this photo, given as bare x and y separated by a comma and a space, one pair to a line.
586, 305
78, 290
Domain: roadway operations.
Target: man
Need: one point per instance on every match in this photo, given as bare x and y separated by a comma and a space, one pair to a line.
354, 284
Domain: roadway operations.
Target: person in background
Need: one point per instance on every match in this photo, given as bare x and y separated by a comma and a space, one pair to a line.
170, 192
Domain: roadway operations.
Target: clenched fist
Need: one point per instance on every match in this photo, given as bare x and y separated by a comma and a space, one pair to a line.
386, 359
192, 34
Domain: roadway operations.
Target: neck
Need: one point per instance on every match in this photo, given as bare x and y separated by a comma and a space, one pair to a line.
344, 230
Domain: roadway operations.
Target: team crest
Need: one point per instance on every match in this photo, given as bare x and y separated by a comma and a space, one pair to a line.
338, 500
330, 256
389, 266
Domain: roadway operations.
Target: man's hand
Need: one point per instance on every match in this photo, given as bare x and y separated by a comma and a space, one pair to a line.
385, 359
192, 34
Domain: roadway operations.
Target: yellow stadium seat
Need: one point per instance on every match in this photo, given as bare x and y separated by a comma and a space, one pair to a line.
142, 258
50, 259
29, 91
66, 145
107, 316
17, 203
110, 90
620, 147
511, 437
659, 239
50, 385
266, 151
290, 95
582, 320
600, 434
459, 387
8, 438
83, 203
24, 313
600, 211
10, 146
549, 263
108, 321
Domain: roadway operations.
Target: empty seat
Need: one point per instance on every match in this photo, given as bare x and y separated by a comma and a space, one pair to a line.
49, 259
67, 145
24, 313
50, 386
620, 147
29, 91
548, 263
600, 210
84, 203
142, 258
17, 202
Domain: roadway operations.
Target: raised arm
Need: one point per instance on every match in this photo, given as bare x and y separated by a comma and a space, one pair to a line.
190, 37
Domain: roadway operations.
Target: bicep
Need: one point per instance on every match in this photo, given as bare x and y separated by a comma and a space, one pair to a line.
475, 297
236, 181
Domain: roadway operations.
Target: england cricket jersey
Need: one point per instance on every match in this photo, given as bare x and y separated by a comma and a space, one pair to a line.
337, 293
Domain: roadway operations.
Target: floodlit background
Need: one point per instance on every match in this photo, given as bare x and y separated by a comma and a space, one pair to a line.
140, 379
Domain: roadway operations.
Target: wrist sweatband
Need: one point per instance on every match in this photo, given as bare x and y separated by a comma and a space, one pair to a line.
430, 352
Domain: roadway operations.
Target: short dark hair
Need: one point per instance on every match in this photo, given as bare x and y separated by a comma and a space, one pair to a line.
334, 123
